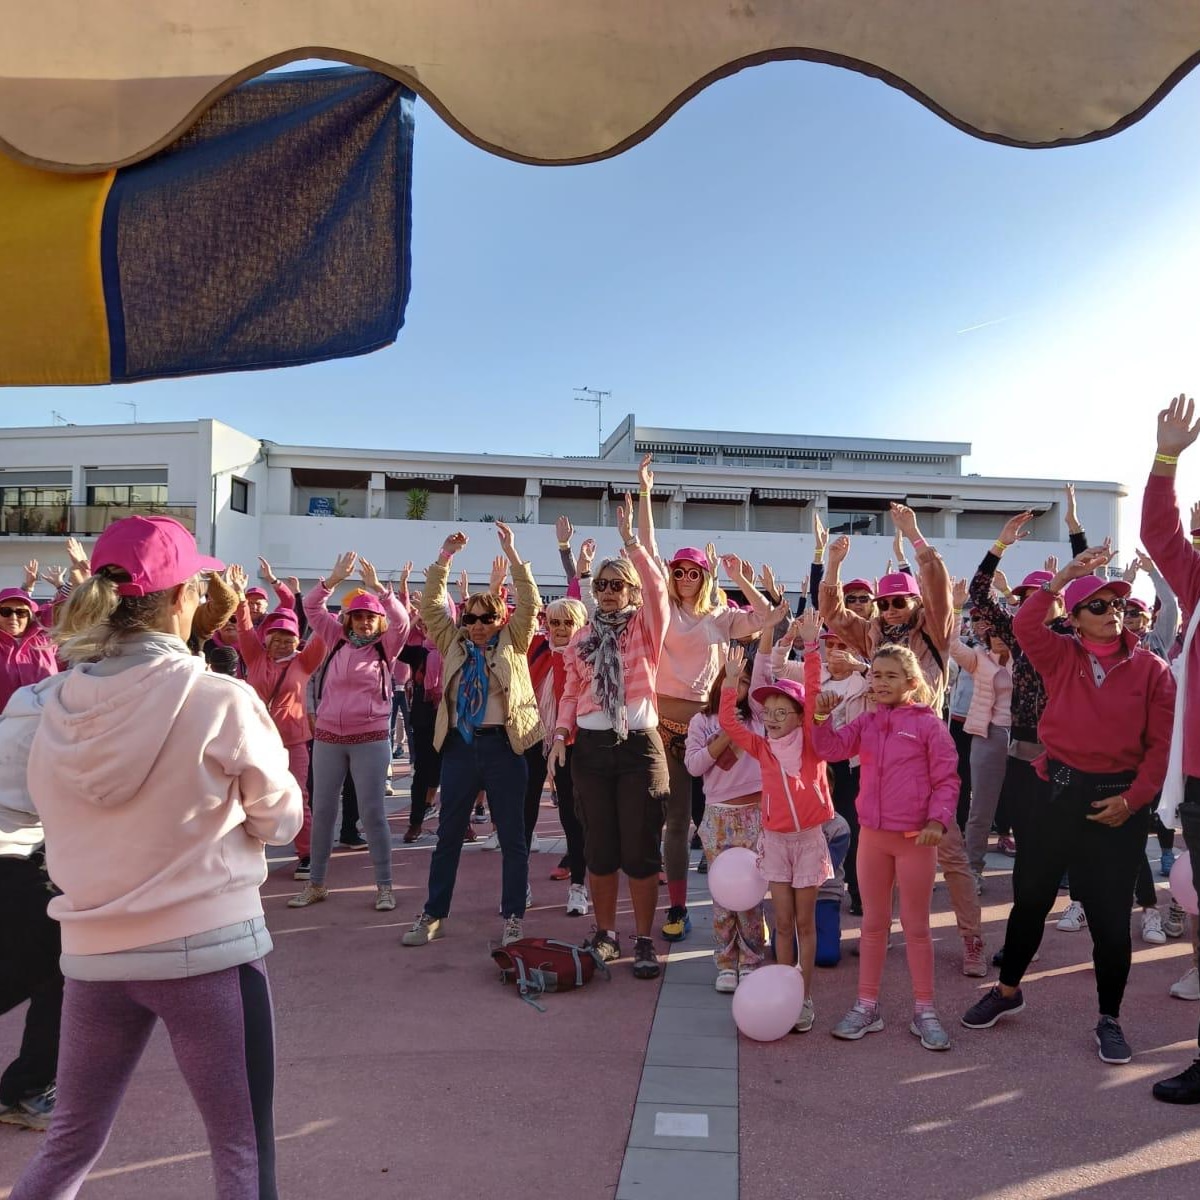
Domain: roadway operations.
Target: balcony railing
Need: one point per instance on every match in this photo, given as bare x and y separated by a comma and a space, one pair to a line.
83, 520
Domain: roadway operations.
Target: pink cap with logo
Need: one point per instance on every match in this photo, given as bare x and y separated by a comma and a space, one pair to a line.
898, 584
156, 552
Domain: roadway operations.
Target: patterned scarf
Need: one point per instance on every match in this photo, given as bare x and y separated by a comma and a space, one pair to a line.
473, 691
359, 642
600, 648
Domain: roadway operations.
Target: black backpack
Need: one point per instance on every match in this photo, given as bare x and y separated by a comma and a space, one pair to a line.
385, 673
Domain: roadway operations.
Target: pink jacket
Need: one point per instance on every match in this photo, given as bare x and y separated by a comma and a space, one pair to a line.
281, 687
157, 788
694, 647
25, 660
1171, 549
984, 666
740, 777
909, 766
356, 696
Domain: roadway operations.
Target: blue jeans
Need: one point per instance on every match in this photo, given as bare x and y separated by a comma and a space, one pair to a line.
488, 764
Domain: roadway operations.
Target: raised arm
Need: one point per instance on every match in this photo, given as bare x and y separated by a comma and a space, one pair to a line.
435, 610
645, 519
1162, 530
933, 576
1048, 651
523, 622
739, 735
854, 630
564, 530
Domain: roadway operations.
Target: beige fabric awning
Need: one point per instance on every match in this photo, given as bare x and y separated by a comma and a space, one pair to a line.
86, 84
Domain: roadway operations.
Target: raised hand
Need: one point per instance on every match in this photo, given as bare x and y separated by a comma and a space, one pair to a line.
55, 576
645, 474
587, 552
405, 572
368, 575
236, 577
735, 568
846, 659
342, 568
959, 593
1087, 563
508, 542
1001, 582
31, 574
825, 703
1069, 513
76, 553
769, 582
897, 549
838, 549
905, 521
464, 586
710, 552
1014, 528
625, 519
499, 574
453, 544
808, 626
564, 529
1051, 564
820, 533
265, 572
735, 663
1177, 426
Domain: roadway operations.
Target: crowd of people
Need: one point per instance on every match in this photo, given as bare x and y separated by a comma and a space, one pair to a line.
162, 724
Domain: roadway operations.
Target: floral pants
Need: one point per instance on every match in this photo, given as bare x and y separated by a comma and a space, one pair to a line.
740, 936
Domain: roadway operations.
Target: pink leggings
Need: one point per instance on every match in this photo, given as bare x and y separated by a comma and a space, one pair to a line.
298, 763
886, 859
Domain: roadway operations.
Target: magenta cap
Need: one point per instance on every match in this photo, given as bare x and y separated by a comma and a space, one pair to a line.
157, 553
280, 622
1080, 591
690, 554
255, 591
1032, 582
899, 583
22, 597
365, 602
859, 585
793, 689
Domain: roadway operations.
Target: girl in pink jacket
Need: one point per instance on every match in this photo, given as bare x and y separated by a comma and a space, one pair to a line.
908, 792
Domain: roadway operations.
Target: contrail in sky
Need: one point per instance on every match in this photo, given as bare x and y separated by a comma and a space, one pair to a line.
984, 325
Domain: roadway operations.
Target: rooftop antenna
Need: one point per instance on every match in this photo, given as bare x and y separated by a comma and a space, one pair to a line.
596, 397
57, 418
130, 404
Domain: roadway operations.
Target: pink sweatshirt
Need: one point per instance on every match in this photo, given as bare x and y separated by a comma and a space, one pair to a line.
742, 777
357, 693
25, 660
157, 788
280, 686
694, 648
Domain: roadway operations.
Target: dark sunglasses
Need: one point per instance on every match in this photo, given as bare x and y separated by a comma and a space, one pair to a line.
896, 602
1099, 607
858, 598
610, 585
19, 611
486, 618
560, 623
691, 574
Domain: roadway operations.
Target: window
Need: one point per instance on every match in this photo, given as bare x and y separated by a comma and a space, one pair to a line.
128, 494
239, 495
841, 522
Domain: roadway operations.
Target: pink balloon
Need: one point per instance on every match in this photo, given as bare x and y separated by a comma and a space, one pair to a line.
768, 1001
1183, 886
735, 881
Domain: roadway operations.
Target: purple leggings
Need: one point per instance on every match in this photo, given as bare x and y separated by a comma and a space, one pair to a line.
223, 1037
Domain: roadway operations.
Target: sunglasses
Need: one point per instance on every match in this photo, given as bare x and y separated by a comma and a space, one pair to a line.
691, 574
897, 602
560, 623
486, 618
1099, 607
858, 598
610, 585
20, 611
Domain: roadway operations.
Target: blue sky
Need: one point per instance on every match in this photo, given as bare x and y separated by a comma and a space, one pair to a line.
798, 249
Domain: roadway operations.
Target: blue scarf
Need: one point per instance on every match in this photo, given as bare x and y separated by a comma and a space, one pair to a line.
473, 691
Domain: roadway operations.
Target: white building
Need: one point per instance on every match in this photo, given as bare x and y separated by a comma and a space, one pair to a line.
301, 505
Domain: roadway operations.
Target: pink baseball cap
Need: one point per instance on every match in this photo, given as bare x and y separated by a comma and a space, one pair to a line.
1135, 603
365, 602
690, 554
157, 552
859, 585
22, 597
255, 591
793, 689
1032, 582
280, 622
898, 584
1080, 591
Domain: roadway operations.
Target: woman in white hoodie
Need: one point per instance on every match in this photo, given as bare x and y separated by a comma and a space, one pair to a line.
160, 913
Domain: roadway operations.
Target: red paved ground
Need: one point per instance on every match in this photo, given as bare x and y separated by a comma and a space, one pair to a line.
1022, 1110
402, 1071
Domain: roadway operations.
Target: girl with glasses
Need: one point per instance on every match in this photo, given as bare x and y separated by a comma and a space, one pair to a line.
1106, 729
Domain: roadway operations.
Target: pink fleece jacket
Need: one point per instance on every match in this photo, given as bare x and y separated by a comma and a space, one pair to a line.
1171, 549
909, 766
694, 647
357, 692
280, 686
157, 788
25, 660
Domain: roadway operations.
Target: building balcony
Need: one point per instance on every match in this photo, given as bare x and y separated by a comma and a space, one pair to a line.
83, 520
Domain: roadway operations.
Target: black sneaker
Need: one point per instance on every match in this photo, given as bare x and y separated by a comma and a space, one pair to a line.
998, 958
702, 865
696, 843
607, 946
645, 961
303, 869
986, 1012
1113, 1046
1183, 1088
352, 841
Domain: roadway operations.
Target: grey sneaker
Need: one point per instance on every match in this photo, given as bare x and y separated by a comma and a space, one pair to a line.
858, 1022
385, 900
1175, 920
425, 929
512, 931
313, 893
928, 1028
993, 1005
807, 1016
33, 1112
1111, 1043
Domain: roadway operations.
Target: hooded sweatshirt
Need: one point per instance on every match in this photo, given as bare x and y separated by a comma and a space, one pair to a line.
157, 784
25, 660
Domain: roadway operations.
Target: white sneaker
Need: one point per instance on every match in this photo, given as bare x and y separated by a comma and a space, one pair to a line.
1152, 930
535, 846
726, 981
491, 842
1187, 988
807, 1016
1174, 920
512, 931
1072, 920
577, 900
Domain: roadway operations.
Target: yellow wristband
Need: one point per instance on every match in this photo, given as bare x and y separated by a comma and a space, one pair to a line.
819, 717
818, 556
999, 547
1167, 459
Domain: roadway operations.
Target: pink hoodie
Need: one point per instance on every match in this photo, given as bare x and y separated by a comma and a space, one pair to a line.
355, 697
157, 788
25, 660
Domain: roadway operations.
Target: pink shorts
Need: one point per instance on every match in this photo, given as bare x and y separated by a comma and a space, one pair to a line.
801, 859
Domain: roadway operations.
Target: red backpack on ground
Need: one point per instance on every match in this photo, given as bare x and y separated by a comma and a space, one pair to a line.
540, 965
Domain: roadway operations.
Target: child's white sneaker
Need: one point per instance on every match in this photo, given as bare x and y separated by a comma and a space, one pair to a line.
726, 981
807, 1017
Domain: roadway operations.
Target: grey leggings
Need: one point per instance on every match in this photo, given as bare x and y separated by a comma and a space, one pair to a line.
367, 763
989, 761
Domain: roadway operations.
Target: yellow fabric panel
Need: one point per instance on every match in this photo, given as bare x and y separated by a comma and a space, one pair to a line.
53, 327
